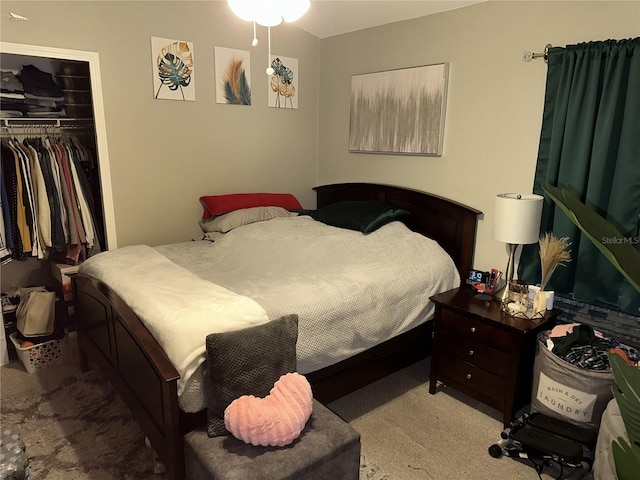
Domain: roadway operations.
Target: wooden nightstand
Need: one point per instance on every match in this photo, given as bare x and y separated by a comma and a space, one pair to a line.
483, 352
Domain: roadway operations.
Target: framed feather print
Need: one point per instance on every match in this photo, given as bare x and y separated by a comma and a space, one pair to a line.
233, 76
399, 111
173, 67
283, 83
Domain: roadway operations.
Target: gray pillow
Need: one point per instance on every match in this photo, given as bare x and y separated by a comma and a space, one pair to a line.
247, 362
227, 222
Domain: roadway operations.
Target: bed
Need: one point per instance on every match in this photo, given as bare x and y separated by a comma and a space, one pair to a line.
113, 337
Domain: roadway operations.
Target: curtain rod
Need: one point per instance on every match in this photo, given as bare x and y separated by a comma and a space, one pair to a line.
528, 56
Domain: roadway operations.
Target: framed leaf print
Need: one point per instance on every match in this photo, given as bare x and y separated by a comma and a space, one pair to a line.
233, 76
283, 83
399, 111
173, 69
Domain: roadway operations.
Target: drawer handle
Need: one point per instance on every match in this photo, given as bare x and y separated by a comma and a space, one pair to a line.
468, 376
471, 353
473, 329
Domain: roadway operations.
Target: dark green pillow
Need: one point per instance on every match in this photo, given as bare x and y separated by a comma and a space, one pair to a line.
364, 216
246, 362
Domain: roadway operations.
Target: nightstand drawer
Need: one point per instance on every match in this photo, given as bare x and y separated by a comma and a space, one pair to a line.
474, 351
473, 377
474, 328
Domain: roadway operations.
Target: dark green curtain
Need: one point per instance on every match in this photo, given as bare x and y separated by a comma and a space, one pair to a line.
590, 143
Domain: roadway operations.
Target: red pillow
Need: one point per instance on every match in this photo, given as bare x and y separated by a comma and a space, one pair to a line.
218, 204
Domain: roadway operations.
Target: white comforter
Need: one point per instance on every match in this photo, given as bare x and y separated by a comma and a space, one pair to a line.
178, 318
350, 291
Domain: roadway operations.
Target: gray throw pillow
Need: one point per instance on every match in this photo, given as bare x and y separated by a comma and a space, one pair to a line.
247, 362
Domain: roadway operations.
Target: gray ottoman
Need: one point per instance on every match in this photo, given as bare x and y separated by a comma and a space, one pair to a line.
328, 448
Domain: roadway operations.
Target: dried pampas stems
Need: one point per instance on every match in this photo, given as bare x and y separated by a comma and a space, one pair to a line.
553, 252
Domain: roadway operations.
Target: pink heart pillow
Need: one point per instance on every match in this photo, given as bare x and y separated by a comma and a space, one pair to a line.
275, 420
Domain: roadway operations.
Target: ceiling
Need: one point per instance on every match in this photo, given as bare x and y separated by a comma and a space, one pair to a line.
327, 18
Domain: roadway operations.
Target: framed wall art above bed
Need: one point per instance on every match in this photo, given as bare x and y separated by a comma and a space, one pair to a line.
399, 111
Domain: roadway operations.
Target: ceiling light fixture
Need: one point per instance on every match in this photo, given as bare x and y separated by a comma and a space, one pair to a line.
268, 13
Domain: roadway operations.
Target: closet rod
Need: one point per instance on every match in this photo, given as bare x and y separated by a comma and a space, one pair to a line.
49, 122
528, 56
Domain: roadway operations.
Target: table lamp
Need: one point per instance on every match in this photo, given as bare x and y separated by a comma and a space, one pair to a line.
517, 222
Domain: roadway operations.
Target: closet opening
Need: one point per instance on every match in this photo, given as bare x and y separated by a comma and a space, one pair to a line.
68, 121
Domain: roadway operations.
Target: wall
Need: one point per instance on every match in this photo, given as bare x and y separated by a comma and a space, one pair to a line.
495, 99
165, 154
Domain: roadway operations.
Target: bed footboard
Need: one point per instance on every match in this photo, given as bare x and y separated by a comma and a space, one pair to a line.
112, 337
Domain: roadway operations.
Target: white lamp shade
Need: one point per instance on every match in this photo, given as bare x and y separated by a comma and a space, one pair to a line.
517, 218
269, 13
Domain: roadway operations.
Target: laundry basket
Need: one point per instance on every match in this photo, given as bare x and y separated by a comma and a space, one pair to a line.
567, 392
40, 355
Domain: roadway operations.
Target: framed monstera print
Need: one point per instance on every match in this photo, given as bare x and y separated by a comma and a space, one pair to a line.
173, 69
283, 82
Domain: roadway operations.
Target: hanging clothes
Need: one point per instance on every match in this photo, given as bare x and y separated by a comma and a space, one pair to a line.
48, 206
6, 240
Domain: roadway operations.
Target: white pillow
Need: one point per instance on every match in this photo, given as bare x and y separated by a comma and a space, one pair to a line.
228, 221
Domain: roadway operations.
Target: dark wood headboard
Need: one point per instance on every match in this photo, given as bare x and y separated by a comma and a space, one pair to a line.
451, 224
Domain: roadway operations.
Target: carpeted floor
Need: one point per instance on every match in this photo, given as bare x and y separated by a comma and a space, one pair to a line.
76, 428
413, 435
79, 429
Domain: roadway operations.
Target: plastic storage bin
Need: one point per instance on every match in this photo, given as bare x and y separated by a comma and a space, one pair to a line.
39, 356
